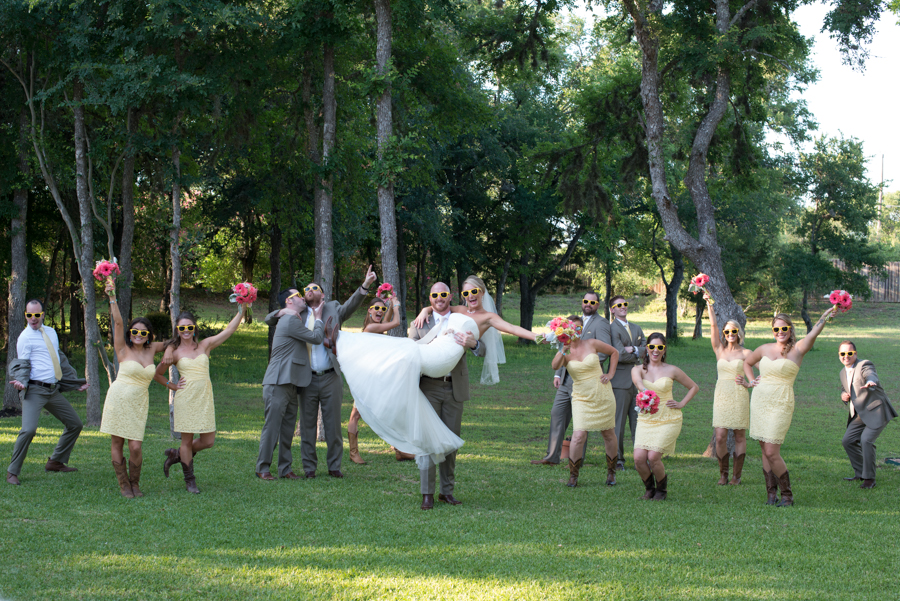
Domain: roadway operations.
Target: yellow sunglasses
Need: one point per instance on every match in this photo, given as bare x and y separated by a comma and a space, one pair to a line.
589, 302
377, 308
654, 347
847, 353
727, 332
440, 294
141, 333
312, 287
33, 315
781, 329
473, 292
620, 305
292, 296
186, 328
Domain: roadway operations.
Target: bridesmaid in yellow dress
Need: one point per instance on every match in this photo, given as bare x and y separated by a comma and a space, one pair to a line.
379, 320
731, 402
593, 402
772, 402
194, 408
128, 400
657, 433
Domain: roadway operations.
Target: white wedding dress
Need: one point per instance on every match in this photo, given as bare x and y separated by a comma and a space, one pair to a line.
383, 374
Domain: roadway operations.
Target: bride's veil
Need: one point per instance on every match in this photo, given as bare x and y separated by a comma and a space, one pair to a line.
493, 344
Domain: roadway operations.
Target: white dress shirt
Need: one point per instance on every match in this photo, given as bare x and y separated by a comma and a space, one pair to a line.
318, 356
849, 371
31, 346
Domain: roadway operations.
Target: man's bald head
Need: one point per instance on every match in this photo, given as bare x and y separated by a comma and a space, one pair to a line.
440, 298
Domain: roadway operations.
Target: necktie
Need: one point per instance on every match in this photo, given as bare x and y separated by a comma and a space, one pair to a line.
850, 388
54, 357
630, 337
309, 350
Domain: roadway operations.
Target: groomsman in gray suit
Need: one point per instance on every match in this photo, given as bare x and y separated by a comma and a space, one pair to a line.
870, 411
595, 327
325, 389
287, 372
627, 338
446, 395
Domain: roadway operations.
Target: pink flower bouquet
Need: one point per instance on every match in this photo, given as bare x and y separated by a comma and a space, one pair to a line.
841, 299
698, 284
385, 291
244, 294
106, 269
647, 402
562, 332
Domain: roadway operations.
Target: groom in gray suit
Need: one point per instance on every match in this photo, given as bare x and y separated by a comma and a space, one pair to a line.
596, 327
870, 411
288, 371
446, 395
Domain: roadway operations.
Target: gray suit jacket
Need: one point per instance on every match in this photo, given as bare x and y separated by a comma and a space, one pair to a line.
289, 363
621, 339
338, 314
871, 404
460, 374
20, 369
597, 328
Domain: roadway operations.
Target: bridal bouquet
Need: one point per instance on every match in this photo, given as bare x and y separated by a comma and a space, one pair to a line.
841, 299
385, 292
562, 332
106, 270
698, 284
647, 402
244, 294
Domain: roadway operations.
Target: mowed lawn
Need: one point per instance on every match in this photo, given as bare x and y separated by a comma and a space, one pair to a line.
520, 532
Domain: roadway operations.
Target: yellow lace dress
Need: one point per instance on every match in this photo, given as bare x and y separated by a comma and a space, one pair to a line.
593, 402
194, 409
772, 402
658, 432
731, 402
127, 401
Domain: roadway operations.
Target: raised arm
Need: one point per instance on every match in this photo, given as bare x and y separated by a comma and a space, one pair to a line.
805, 345
353, 303
713, 326
497, 322
214, 341
379, 328
118, 325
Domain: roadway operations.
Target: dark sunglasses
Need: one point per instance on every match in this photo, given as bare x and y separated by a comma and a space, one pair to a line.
377, 308
620, 305
186, 328
312, 287
654, 347
33, 315
847, 353
727, 332
473, 292
141, 333
440, 294
781, 329
589, 302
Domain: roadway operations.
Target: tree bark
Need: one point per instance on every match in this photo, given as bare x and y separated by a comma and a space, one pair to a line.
126, 245
19, 268
175, 289
324, 270
390, 270
672, 294
698, 319
804, 312
275, 269
607, 280
86, 261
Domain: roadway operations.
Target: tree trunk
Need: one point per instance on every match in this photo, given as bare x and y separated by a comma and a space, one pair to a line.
126, 245
401, 288
698, 319
86, 263
390, 270
607, 280
175, 253
275, 269
672, 289
324, 270
19, 269
804, 312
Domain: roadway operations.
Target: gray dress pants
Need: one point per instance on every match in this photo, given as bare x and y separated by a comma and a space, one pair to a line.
37, 398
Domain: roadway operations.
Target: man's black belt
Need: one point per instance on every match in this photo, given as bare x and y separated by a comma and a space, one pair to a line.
323, 372
46, 385
443, 379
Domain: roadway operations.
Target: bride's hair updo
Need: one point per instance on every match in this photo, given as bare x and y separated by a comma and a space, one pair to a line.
477, 282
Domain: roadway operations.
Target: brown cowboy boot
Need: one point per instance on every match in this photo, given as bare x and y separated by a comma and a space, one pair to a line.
574, 468
173, 456
771, 488
354, 448
738, 468
401, 456
662, 489
610, 471
134, 477
190, 483
723, 470
787, 497
122, 477
650, 485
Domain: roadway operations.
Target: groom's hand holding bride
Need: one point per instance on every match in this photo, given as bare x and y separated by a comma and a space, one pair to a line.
466, 339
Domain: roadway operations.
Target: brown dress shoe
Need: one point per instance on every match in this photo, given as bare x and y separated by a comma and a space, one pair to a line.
266, 476
335, 473
449, 499
427, 501
12, 479
56, 466
543, 461
290, 476
868, 483
310, 474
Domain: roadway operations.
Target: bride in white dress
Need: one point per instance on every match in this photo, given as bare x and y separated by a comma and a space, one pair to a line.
383, 374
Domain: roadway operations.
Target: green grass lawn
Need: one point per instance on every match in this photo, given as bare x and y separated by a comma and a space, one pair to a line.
520, 533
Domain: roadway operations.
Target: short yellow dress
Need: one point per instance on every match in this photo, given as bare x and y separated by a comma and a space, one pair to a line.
658, 432
731, 402
772, 402
127, 401
593, 402
194, 408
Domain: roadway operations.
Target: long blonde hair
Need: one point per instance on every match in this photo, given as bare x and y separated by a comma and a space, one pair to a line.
792, 339
740, 333
388, 315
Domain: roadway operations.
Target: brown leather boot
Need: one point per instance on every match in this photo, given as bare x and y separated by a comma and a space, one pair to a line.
662, 489
574, 468
173, 456
738, 468
723, 470
354, 448
784, 483
190, 483
401, 456
610, 471
650, 485
134, 477
122, 477
771, 488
